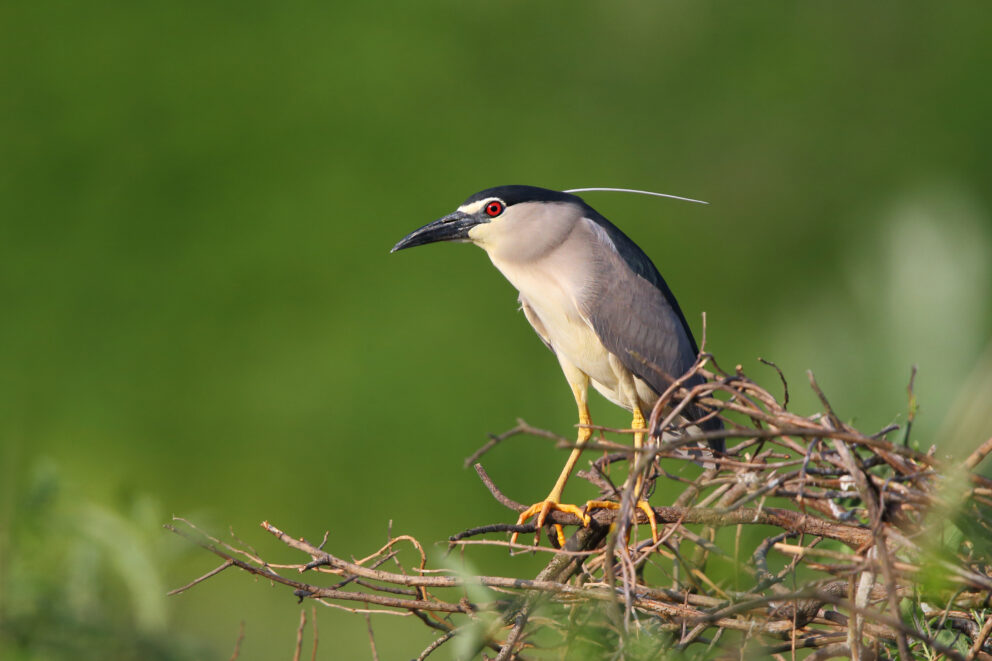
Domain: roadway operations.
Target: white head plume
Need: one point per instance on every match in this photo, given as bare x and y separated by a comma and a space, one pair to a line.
633, 190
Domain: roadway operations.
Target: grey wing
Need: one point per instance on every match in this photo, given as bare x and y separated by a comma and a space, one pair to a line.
635, 322
536, 322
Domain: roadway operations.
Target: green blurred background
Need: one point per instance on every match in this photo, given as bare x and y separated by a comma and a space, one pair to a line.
201, 317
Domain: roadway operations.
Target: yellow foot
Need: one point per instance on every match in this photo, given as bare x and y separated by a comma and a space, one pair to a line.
542, 509
642, 505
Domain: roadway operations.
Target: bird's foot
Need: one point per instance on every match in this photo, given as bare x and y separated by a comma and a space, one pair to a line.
642, 505
542, 509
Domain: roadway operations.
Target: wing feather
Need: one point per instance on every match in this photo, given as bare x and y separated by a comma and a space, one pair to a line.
638, 320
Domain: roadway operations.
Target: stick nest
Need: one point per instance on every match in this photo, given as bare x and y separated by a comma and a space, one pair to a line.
807, 539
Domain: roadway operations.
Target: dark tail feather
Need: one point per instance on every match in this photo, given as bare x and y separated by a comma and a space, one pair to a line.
710, 424
694, 413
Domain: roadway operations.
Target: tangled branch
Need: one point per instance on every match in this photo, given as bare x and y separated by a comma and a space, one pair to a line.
872, 549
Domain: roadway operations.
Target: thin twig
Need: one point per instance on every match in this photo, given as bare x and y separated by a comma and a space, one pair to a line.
980, 639
237, 643
912, 406
299, 635
976, 457
785, 384
497, 494
368, 624
434, 645
212, 572
313, 618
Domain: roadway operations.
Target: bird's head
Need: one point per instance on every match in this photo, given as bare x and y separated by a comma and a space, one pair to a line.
509, 222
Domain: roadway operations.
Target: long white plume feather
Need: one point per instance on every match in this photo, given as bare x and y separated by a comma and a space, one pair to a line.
633, 190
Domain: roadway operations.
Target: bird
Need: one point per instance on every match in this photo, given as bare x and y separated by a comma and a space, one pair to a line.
594, 298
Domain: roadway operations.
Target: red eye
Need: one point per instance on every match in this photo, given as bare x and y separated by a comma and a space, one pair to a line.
494, 208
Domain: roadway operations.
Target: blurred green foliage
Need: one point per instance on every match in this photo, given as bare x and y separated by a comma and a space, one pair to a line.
199, 308
86, 581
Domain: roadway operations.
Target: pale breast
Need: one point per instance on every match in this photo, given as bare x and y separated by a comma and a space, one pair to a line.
553, 292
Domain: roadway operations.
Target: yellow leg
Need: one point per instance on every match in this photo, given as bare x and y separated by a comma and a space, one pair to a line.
638, 425
553, 501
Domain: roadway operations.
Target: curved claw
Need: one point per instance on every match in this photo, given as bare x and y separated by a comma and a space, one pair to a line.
642, 505
645, 507
542, 509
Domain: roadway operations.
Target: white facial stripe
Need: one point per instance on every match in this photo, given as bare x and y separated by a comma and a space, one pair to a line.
475, 207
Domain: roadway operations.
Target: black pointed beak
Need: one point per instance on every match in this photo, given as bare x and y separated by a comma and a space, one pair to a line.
453, 227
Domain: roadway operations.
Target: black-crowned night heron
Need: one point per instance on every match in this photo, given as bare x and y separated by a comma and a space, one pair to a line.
595, 299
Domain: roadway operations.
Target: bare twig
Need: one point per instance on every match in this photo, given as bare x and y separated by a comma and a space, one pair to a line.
785, 384
980, 639
299, 635
212, 572
434, 645
912, 405
313, 618
976, 457
368, 624
237, 643
497, 494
